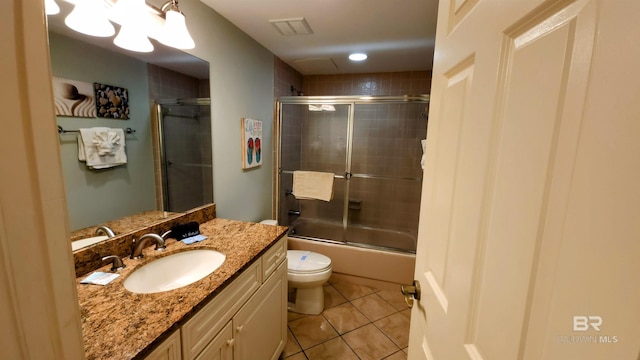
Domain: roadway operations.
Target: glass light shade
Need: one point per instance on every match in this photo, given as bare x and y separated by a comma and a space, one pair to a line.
89, 17
131, 37
134, 16
175, 32
50, 7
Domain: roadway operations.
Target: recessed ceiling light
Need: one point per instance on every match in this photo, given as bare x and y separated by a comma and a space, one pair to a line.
358, 57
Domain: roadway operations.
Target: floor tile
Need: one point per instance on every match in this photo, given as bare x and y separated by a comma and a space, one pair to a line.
406, 313
298, 356
394, 298
353, 291
373, 307
400, 355
292, 346
331, 350
396, 327
294, 316
345, 318
332, 297
369, 343
312, 330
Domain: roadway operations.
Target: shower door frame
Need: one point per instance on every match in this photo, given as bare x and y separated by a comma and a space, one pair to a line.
352, 101
158, 104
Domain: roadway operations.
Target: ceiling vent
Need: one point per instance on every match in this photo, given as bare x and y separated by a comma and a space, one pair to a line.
295, 26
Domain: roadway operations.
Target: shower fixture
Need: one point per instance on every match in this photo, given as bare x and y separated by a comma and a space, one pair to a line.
296, 92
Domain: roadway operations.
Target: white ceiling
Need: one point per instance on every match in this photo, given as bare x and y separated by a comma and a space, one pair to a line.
398, 35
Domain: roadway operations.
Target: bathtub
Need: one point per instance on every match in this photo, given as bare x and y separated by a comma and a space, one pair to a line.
369, 266
356, 235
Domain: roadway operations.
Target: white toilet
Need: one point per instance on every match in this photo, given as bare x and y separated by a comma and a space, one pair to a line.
307, 272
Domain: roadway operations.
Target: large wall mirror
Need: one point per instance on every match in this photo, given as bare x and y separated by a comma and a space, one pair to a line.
99, 196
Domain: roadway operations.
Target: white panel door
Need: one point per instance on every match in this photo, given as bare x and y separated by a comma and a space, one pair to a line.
529, 238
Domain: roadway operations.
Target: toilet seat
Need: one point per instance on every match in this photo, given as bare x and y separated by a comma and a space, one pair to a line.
307, 262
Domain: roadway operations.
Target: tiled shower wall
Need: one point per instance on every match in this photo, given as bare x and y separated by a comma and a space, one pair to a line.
387, 84
386, 142
191, 139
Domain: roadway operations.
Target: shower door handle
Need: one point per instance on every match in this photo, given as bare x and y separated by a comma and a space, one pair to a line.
411, 292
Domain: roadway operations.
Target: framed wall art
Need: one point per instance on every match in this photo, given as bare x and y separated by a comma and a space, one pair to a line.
73, 98
112, 102
251, 132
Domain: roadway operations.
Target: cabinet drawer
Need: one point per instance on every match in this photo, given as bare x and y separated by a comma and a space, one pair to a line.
273, 257
203, 326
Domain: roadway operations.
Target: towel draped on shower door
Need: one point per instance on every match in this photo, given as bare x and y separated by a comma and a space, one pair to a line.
313, 185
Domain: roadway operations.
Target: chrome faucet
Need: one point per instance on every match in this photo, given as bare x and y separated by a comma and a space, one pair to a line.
117, 263
139, 245
105, 230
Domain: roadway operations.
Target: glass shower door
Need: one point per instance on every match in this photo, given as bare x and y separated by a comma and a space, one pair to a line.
314, 138
386, 180
186, 161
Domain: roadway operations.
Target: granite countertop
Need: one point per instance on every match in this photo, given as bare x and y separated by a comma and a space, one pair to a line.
126, 224
119, 324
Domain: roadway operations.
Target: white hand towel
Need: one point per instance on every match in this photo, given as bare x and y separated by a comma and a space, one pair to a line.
313, 185
106, 141
102, 147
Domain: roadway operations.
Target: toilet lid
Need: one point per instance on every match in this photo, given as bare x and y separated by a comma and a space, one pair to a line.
301, 261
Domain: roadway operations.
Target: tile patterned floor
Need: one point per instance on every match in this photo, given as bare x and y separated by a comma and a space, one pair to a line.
358, 322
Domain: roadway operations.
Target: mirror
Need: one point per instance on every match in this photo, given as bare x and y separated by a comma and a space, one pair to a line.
123, 197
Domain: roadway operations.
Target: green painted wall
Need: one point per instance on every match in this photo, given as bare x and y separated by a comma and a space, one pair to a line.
96, 196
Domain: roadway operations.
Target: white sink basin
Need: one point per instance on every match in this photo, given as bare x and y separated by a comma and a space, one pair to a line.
174, 271
82, 243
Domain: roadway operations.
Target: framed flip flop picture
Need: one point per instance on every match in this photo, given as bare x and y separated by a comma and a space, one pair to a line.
251, 131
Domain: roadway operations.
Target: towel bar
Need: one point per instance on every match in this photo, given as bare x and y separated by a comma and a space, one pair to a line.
63, 131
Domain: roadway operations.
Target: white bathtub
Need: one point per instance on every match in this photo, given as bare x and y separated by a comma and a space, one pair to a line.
377, 268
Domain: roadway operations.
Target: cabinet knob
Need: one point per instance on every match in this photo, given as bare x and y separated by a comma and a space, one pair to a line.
230, 342
239, 328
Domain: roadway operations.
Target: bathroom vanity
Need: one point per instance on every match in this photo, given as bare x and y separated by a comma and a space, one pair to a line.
236, 312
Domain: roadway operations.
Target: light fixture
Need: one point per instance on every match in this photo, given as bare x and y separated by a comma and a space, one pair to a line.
358, 57
174, 33
50, 7
89, 17
138, 22
135, 21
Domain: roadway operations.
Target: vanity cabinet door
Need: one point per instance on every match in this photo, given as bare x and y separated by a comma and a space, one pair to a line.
205, 325
260, 327
221, 347
168, 350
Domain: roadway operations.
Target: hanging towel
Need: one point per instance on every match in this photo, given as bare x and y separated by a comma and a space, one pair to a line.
313, 185
423, 159
101, 147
